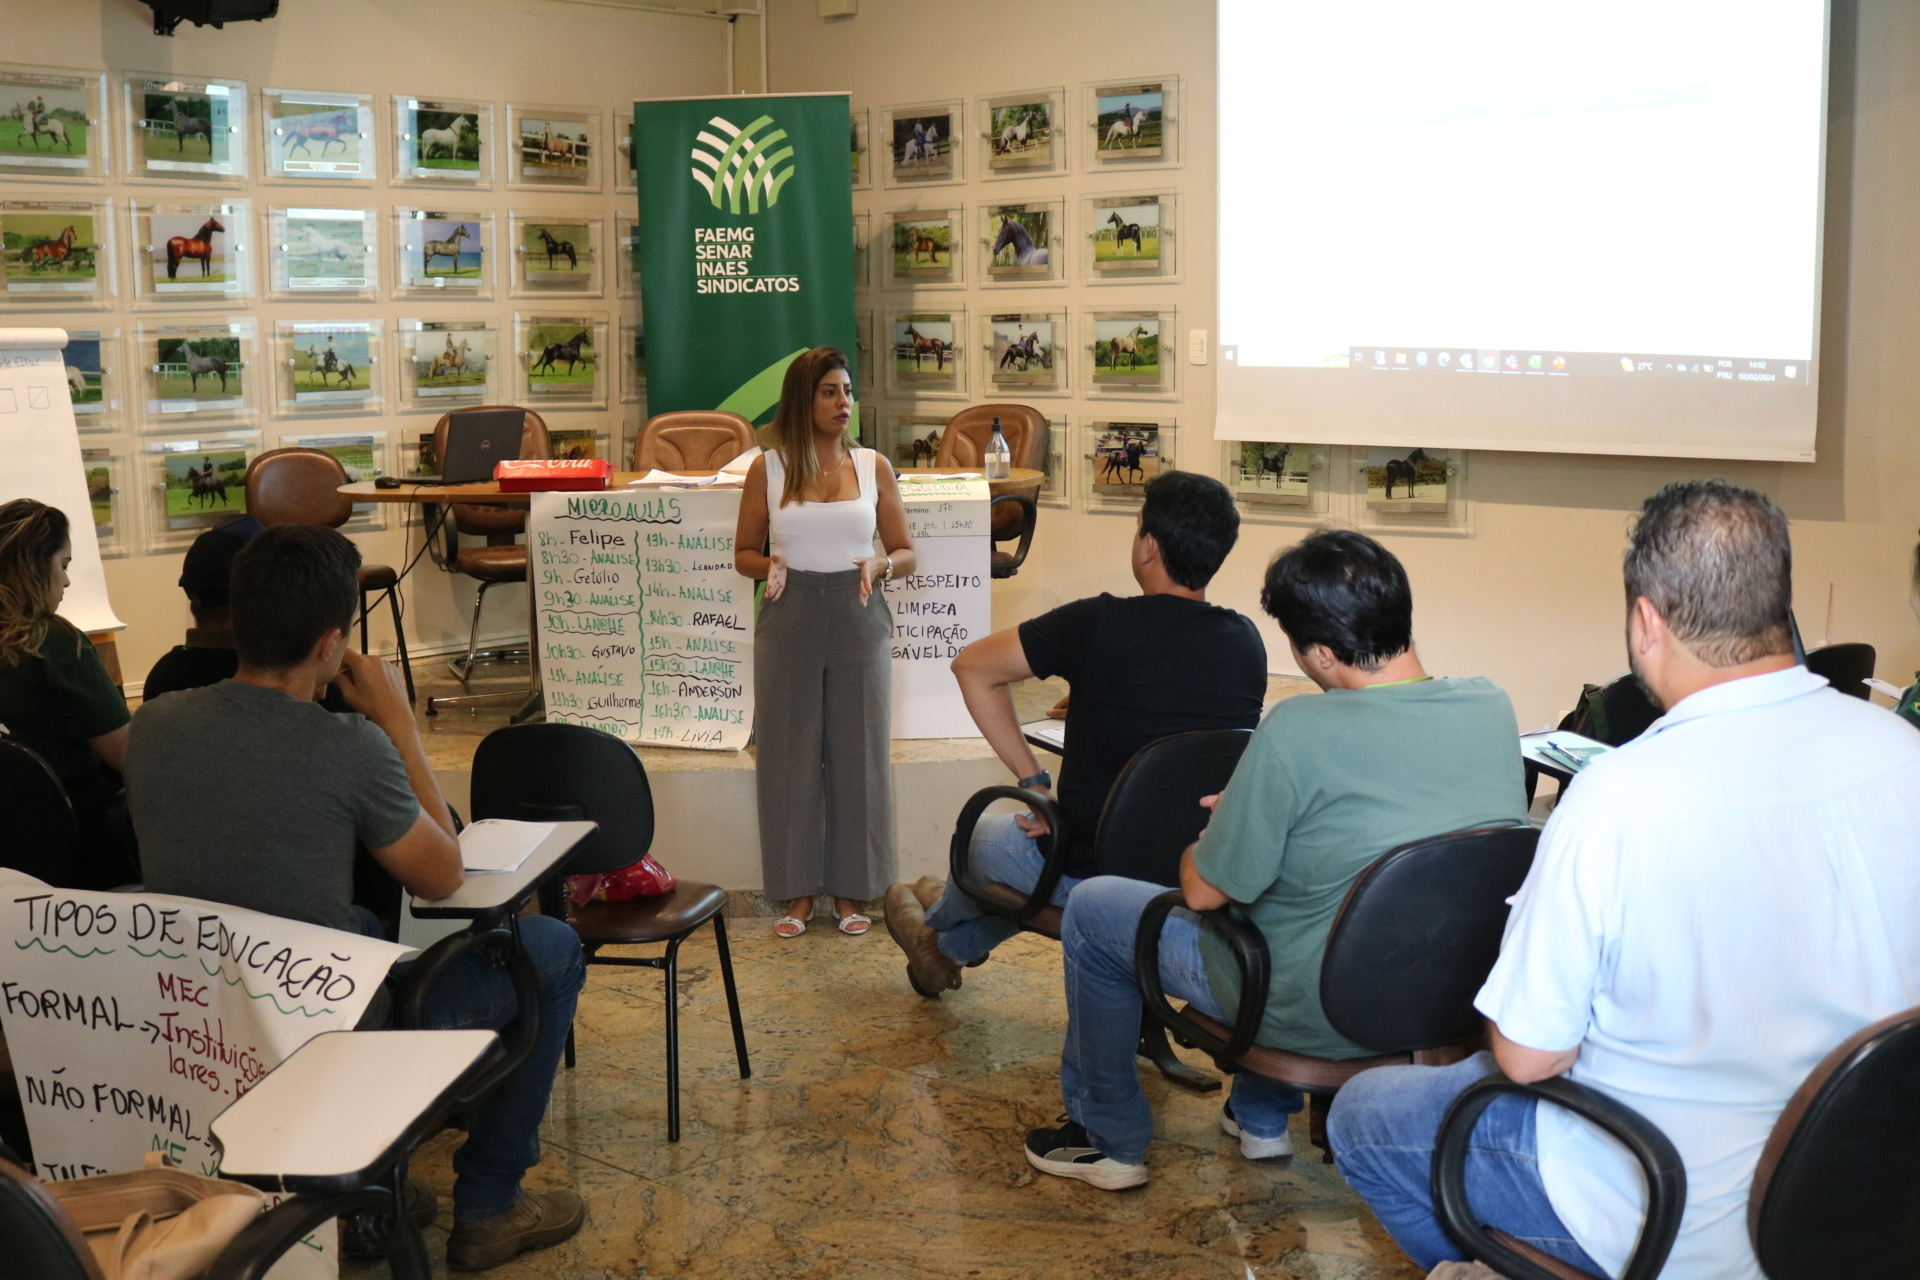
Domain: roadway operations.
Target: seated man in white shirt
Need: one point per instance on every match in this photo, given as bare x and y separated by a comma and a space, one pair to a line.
1713, 908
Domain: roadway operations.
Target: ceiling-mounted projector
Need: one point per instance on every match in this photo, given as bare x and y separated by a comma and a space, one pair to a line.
168, 14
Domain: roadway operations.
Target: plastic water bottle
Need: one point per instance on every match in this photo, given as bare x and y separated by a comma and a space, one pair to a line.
999, 458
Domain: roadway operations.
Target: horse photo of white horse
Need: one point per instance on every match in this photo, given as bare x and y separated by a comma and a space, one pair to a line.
445, 141
923, 146
1020, 135
327, 252
1129, 120
455, 367
47, 121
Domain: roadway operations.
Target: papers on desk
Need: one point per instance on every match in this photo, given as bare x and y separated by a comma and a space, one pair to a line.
1050, 733
674, 480
498, 844
1561, 750
1893, 691
938, 477
742, 464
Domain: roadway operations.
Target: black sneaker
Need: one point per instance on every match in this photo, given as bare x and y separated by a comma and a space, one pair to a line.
1068, 1152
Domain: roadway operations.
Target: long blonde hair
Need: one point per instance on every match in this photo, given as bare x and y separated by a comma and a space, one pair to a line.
31, 535
792, 429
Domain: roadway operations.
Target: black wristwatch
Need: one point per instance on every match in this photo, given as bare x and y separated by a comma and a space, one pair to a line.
1040, 779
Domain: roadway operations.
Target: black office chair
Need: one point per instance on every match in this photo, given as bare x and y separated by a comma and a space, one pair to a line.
1413, 942
1847, 667
1005, 564
1152, 813
1834, 1192
40, 836
554, 772
1614, 713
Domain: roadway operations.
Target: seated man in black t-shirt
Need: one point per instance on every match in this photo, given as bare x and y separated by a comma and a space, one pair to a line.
1141, 667
208, 656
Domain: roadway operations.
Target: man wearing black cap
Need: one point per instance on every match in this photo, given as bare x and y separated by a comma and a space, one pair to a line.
208, 656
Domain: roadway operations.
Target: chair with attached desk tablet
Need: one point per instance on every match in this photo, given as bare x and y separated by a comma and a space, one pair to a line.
1152, 813
1413, 942
543, 772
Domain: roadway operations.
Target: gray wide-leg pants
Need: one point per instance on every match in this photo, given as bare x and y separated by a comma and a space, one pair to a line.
823, 709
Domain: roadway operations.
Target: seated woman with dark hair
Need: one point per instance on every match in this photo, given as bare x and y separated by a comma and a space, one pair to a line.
55, 695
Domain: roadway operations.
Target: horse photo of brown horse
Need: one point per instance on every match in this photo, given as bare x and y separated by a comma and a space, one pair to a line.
197, 246
51, 251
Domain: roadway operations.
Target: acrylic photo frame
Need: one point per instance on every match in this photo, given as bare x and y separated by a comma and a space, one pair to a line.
566, 442
197, 483
1132, 238
866, 360
1057, 471
329, 368
632, 343
95, 378
860, 147
59, 253
1410, 490
184, 129
1119, 456
105, 469
626, 171
192, 252
554, 254
1027, 353
444, 253
1132, 124
912, 439
446, 364
1023, 243
323, 252
925, 144
197, 370
928, 352
1277, 479
1130, 352
924, 248
553, 148
626, 254
361, 454
862, 250
443, 142
59, 133
1023, 134
561, 360
315, 136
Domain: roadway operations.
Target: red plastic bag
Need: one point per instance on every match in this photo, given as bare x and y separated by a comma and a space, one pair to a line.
644, 879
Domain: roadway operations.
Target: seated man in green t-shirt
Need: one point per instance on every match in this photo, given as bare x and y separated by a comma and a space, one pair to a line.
1388, 754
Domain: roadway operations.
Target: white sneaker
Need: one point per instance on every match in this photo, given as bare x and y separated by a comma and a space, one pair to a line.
1068, 1152
1253, 1148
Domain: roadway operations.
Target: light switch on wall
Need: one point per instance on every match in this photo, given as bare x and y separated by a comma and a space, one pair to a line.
1196, 346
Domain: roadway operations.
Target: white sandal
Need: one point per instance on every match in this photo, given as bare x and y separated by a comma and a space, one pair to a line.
799, 927
853, 924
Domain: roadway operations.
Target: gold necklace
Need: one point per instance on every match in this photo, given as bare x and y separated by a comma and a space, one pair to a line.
836, 466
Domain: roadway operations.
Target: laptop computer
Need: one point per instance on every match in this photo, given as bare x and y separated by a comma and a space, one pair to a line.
476, 439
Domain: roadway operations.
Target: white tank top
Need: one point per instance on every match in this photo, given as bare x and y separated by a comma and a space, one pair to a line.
823, 537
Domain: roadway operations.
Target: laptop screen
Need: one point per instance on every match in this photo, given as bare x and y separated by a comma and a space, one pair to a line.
478, 438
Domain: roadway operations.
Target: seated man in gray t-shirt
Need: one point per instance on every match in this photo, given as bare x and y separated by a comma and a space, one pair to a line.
248, 792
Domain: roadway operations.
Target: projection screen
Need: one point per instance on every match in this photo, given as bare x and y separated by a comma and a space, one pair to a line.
1582, 226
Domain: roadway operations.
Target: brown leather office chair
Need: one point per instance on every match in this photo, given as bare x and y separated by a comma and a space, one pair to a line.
692, 440
964, 444
302, 486
502, 559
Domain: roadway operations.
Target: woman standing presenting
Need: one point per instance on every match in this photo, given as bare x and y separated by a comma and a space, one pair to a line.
822, 674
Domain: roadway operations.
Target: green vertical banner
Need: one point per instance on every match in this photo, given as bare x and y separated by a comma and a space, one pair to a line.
746, 251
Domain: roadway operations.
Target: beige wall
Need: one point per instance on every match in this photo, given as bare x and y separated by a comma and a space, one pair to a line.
1532, 597
534, 51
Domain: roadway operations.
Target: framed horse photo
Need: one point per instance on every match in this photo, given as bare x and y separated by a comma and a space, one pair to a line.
923, 146
562, 360
860, 147
928, 350
626, 169
1130, 238
863, 354
1419, 490
106, 480
626, 254
553, 148
1056, 483
197, 371
555, 253
446, 364
363, 456
327, 367
57, 253
913, 439
1022, 134
443, 253
308, 136
198, 483
1026, 352
924, 248
324, 253
186, 253
93, 371
1125, 352
1121, 457
443, 142
1021, 243
1271, 478
52, 125
633, 360
185, 130
1133, 124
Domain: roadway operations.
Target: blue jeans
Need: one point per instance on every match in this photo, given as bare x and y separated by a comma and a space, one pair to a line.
1000, 854
1382, 1127
503, 1135
1098, 1080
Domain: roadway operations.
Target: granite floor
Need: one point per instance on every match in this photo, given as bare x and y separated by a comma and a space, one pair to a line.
880, 1137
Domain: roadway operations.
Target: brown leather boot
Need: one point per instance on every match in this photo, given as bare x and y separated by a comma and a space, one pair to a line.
538, 1219
927, 891
928, 970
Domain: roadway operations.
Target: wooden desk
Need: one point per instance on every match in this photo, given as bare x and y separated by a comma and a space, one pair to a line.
1022, 480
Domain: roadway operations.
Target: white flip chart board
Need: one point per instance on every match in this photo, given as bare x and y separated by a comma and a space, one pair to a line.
940, 608
41, 444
